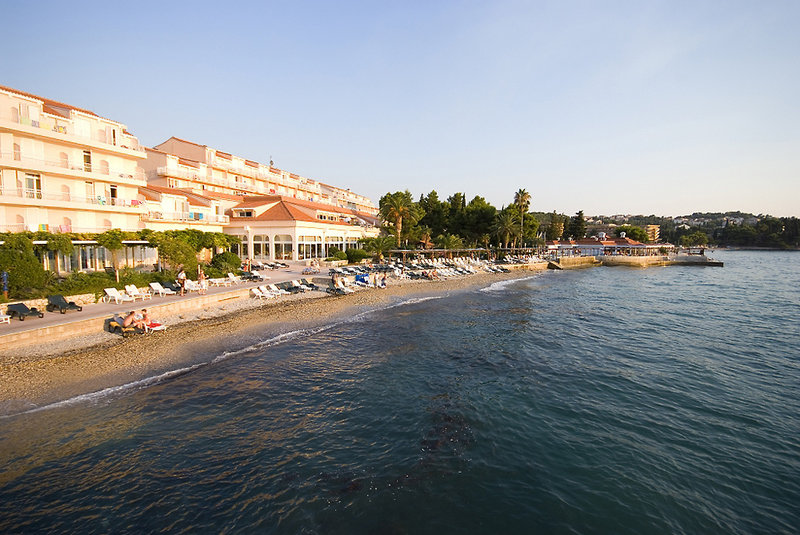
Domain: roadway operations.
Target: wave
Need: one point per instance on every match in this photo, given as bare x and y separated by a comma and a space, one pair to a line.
156, 379
502, 285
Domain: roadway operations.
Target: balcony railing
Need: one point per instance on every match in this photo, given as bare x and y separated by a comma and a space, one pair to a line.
124, 141
94, 168
96, 200
185, 216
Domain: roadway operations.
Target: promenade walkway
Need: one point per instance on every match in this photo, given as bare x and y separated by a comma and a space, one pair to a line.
55, 326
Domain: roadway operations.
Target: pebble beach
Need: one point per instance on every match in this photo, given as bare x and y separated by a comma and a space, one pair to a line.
52, 372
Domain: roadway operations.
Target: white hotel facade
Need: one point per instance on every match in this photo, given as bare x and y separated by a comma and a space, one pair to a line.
66, 169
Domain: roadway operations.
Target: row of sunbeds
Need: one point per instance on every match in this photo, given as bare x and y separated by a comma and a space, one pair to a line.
22, 311
271, 291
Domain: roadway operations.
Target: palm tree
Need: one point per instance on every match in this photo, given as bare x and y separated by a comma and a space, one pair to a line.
378, 246
505, 226
523, 200
396, 207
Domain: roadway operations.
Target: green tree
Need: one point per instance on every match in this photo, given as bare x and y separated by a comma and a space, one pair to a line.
576, 228
112, 240
635, 233
437, 213
378, 246
397, 208
177, 252
449, 241
556, 226
505, 227
522, 199
696, 238
477, 220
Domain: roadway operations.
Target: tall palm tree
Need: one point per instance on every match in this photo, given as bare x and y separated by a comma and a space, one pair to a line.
505, 226
396, 207
523, 200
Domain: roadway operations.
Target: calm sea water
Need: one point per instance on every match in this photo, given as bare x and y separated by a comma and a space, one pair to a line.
608, 400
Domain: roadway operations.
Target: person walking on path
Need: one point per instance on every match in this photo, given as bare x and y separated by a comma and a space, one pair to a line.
201, 278
182, 280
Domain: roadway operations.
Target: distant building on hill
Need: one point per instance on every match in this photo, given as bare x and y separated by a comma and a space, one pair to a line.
653, 232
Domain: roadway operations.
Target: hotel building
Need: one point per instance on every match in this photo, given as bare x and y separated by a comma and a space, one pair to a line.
65, 169
278, 215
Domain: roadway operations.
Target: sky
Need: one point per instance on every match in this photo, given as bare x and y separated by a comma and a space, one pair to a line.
637, 107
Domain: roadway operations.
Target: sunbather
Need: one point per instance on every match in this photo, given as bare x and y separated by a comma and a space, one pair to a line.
135, 319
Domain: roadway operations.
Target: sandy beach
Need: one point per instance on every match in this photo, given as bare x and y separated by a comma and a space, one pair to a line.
83, 365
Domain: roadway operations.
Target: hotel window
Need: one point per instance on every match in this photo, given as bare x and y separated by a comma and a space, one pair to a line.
87, 161
112, 192
63, 158
90, 193
33, 186
104, 167
283, 247
17, 152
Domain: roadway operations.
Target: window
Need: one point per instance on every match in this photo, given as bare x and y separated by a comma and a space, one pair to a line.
64, 160
112, 192
104, 167
245, 213
17, 152
87, 161
33, 186
283, 247
90, 193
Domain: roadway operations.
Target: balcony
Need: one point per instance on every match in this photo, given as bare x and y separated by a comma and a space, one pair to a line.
95, 172
64, 200
195, 217
63, 129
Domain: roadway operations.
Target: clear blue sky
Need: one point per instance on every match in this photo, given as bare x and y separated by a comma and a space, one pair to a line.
609, 107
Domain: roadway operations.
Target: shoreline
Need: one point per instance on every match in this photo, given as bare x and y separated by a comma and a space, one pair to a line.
90, 366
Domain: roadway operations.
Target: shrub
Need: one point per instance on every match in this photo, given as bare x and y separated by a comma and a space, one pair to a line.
26, 276
226, 262
339, 255
356, 255
332, 250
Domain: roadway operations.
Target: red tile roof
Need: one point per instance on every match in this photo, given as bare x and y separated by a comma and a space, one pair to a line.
164, 190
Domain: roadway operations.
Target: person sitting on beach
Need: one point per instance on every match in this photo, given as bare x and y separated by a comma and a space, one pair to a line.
135, 319
383, 281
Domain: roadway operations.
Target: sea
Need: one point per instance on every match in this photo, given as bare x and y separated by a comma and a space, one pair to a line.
604, 400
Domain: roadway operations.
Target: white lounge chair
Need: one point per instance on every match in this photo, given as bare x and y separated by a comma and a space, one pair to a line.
303, 287
134, 292
345, 289
113, 293
224, 281
260, 275
160, 290
258, 294
5, 318
192, 286
233, 278
271, 293
275, 289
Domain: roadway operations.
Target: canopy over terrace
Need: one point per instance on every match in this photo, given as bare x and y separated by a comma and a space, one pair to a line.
88, 255
492, 252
